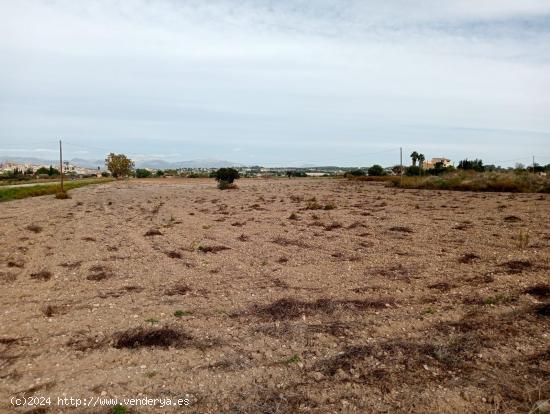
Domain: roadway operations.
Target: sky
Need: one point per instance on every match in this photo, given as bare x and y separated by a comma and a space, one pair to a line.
276, 82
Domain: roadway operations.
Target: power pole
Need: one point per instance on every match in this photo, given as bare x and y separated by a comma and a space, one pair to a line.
533, 165
401, 164
61, 164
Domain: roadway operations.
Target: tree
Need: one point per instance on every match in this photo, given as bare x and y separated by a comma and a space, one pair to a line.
49, 171
438, 169
227, 175
414, 156
396, 169
476, 165
376, 170
119, 165
355, 173
159, 173
412, 170
536, 168
142, 173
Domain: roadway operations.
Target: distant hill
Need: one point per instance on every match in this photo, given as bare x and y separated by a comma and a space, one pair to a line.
146, 163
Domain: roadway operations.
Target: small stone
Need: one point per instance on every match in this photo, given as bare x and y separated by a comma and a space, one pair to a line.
318, 376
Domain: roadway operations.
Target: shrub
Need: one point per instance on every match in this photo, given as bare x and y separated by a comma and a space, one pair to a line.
226, 174
62, 195
224, 185
49, 171
292, 173
143, 173
376, 170
354, 173
412, 170
476, 165
473, 181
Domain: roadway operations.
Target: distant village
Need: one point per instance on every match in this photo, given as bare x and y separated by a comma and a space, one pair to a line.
43, 169
75, 171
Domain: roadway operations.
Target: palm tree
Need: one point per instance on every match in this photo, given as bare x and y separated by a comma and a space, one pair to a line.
414, 156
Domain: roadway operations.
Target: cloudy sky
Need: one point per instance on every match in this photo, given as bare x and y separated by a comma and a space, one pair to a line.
276, 82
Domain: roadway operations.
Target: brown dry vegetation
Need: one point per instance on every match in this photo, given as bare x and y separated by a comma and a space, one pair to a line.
265, 300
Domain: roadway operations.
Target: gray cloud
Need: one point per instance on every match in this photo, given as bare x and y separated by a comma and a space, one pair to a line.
280, 80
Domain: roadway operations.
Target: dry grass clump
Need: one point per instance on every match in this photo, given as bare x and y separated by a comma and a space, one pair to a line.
543, 309
153, 232
332, 226
441, 286
16, 263
468, 258
173, 254
283, 241
211, 249
99, 272
473, 181
517, 266
394, 362
395, 272
541, 290
42, 275
401, 229
224, 185
273, 401
7, 277
150, 337
313, 205
49, 310
178, 289
62, 195
85, 343
465, 225
288, 308
35, 228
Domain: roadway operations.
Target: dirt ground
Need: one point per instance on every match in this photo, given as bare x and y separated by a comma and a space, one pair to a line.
283, 296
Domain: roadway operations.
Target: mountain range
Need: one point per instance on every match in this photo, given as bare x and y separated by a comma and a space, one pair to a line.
145, 163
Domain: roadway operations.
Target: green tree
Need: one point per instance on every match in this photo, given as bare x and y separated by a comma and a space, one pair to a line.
142, 173
50, 171
119, 165
376, 170
476, 165
227, 175
412, 170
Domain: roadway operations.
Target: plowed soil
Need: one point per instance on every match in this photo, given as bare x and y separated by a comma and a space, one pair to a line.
282, 296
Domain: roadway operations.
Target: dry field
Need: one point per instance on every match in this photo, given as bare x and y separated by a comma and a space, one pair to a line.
284, 296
